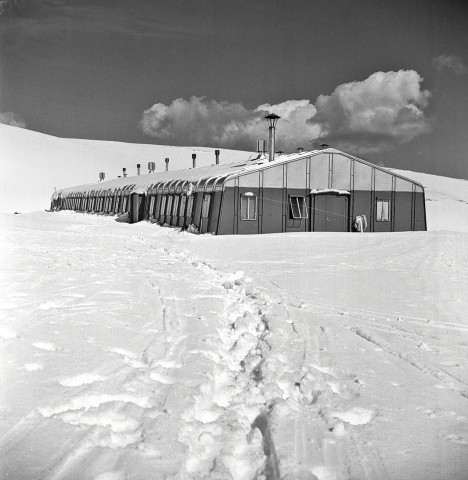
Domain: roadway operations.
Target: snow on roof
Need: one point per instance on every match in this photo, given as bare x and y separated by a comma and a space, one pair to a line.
201, 178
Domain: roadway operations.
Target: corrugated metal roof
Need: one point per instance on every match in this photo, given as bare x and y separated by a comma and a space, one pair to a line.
205, 178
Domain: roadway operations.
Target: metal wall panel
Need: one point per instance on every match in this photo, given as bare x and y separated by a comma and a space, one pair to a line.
296, 174
226, 223
341, 176
273, 177
272, 210
319, 171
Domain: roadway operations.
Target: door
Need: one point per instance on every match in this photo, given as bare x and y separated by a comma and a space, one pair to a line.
137, 207
331, 213
205, 213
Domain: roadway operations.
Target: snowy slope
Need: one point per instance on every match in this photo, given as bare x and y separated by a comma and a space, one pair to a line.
446, 200
33, 164
136, 351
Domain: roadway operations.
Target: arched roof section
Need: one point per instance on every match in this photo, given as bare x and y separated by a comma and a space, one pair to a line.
207, 178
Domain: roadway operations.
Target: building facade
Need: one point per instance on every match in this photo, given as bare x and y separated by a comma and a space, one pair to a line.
318, 191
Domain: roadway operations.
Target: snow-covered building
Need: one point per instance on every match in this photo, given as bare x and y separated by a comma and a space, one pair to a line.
316, 191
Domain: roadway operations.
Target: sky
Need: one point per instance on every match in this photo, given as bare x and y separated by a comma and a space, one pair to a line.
384, 80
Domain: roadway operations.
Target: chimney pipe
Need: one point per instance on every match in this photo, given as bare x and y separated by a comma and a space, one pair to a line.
167, 164
124, 170
324, 145
151, 167
102, 176
138, 169
300, 149
272, 121
194, 158
217, 156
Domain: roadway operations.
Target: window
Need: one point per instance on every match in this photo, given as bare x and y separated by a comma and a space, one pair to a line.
248, 207
298, 208
383, 210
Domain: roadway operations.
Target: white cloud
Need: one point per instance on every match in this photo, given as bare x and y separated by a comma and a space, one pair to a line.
199, 121
10, 118
450, 62
385, 109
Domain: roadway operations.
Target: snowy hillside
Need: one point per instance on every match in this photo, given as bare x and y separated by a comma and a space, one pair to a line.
33, 164
446, 200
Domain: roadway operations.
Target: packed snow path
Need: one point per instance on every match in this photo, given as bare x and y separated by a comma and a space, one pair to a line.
135, 352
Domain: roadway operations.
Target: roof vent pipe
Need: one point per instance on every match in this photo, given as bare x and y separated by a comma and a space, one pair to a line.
124, 170
194, 158
300, 149
261, 146
272, 120
217, 156
151, 167
167, 164
102, 176
138, 169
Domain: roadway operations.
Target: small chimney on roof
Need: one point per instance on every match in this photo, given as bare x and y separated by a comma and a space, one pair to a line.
194, 158
167, 164
217, 156
272, 120
324, 146
124, 170
300, 149
138, 168
151, 167
261, 146
102, 176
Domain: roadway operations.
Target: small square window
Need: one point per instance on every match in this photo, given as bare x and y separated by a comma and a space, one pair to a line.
248, 207
297, 207
383, 210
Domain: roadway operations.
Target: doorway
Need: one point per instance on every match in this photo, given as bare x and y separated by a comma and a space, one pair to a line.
331, 213
205, 213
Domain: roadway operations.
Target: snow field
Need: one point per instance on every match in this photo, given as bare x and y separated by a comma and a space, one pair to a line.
138, 351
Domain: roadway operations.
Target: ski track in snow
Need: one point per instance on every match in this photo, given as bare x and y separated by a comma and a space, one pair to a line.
453, 383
